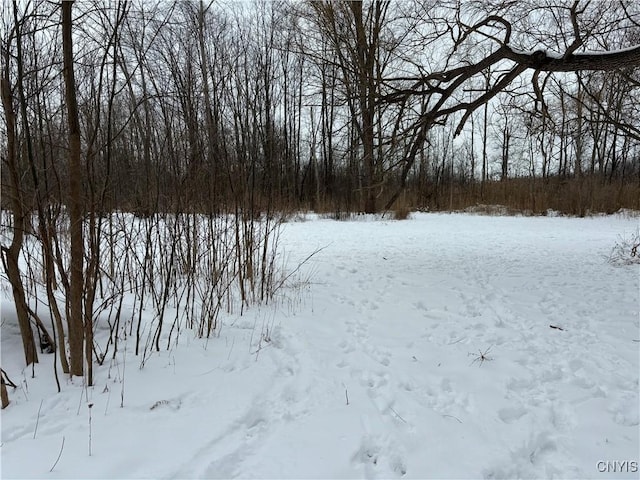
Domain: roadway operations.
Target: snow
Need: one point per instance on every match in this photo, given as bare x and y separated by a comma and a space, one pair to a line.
371, 365
628, 49
589, 53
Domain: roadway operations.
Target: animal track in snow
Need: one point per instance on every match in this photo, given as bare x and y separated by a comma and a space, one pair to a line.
511, 414
445, 399
346, 346
380, 458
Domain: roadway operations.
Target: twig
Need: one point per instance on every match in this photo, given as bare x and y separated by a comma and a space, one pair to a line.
231, 349
107, 405
59, 455
124, 366
90, 406
299, 266
25, 387
397, 415
259, 349
451, 416
37, 420
80, 401
481, 356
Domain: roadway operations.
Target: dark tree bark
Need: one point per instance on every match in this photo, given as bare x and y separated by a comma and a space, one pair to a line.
4, 396
14, 193
75, 320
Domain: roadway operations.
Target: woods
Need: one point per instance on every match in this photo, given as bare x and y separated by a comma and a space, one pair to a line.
148, 146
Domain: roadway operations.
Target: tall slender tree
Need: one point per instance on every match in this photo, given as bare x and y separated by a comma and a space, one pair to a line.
75, 172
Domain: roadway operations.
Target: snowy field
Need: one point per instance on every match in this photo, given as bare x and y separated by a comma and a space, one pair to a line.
403, 349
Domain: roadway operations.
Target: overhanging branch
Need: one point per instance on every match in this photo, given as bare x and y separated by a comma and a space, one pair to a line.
594, 61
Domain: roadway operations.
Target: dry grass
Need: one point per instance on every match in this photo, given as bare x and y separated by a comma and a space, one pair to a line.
401, 209
568, 196
577, 196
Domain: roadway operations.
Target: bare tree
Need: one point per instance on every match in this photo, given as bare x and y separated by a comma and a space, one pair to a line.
75, 318
355, 34
440, 91
10, 255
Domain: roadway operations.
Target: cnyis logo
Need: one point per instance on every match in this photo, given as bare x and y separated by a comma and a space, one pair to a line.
626, 466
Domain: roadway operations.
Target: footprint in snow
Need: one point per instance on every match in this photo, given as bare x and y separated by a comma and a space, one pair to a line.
624, 411
373, 380
381, 356
419, 305
380, 458
346, 347
173, 404
357, 329
532, 459
511, 414
342, 364
445, 399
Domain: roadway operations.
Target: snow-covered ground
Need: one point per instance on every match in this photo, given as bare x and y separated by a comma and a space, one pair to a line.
403, 349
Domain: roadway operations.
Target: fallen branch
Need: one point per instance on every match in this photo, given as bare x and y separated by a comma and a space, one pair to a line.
6, 379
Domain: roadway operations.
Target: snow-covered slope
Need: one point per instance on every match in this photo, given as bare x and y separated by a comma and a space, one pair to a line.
412, 349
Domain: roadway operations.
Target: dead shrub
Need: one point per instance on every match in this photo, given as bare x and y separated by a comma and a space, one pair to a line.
626, 251
401, 211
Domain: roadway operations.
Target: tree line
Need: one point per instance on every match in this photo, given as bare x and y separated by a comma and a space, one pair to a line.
323, 105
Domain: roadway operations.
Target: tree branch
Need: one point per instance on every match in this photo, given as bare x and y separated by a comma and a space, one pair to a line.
602, 61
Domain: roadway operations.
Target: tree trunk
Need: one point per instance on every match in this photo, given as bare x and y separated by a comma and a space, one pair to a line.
19, 214
366, 91
4, 396
506, 138
75, 320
